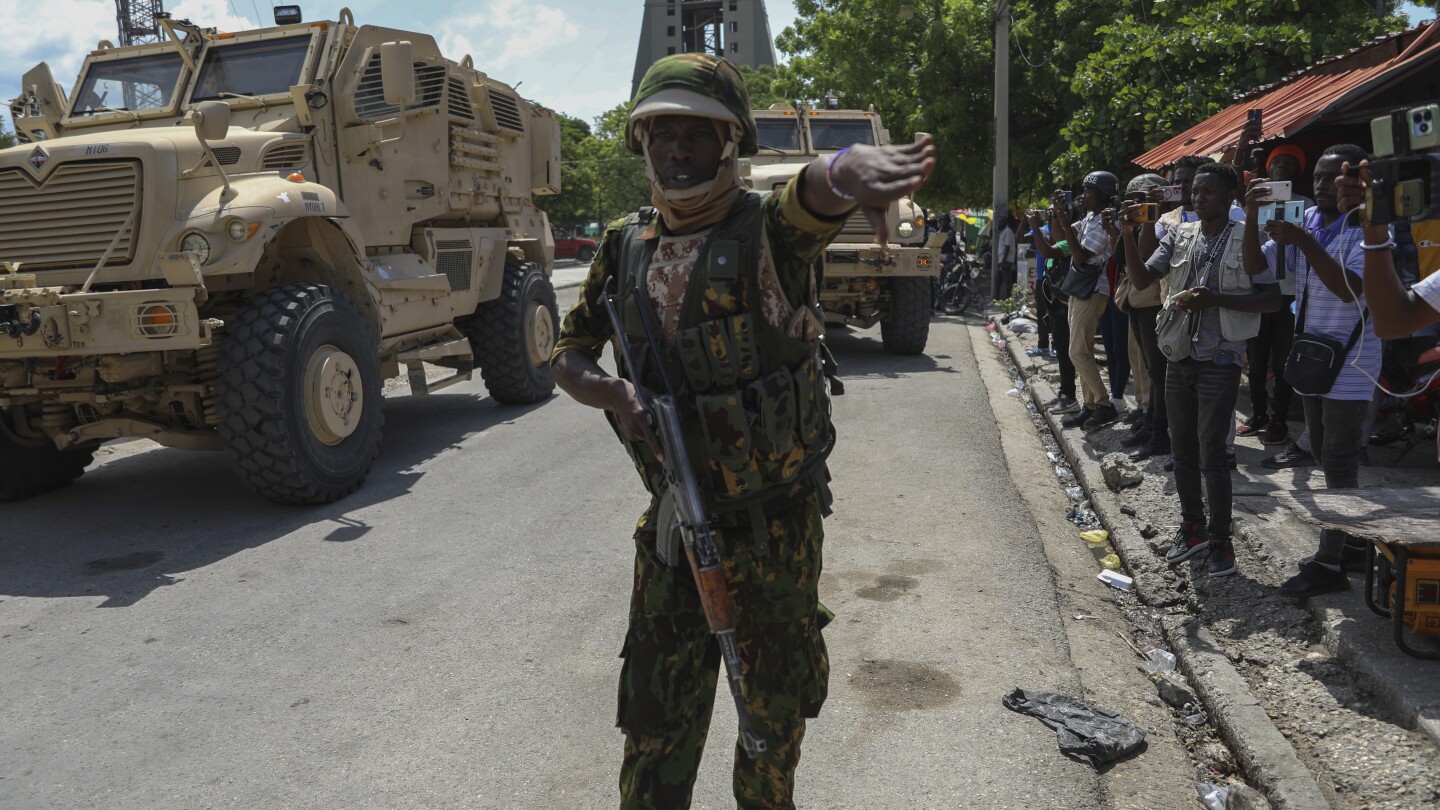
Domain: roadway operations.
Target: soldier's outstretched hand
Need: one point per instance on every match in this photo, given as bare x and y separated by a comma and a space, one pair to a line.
870, 178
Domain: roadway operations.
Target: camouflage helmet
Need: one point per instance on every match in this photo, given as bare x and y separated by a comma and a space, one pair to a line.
694, 84
1143, 182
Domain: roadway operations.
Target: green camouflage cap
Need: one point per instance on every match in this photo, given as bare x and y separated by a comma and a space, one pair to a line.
694, 84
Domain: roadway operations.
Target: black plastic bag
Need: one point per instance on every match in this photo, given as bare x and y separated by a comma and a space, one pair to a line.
1083, 730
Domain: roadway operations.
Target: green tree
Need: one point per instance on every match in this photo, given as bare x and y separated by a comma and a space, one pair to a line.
601, 180
1092, 84
7, 139
1163, 70
765, 84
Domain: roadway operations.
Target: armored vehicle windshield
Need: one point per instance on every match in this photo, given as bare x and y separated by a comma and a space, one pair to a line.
136, 83
779, 133
266, 67
839, 133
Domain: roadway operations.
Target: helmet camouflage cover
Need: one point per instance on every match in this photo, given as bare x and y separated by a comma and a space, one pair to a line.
694, 84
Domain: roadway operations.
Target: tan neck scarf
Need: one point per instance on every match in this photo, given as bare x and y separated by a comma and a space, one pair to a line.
687, 210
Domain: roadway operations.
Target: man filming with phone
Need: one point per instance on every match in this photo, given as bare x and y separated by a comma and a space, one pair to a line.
1214, 306
1335, 356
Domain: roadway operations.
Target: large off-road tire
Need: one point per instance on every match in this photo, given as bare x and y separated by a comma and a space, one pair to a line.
906, 328
585, 254
300, 402
30, 466
513, 336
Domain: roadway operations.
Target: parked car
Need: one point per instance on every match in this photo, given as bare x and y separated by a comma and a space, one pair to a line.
569, 246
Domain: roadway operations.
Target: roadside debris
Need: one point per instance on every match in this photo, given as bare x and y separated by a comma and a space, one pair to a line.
1095, 536
1117, 580
1082, 730
1119, 472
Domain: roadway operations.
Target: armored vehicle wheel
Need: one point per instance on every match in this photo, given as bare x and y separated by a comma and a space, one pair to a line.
32, 465
514, 335
585, 254
300, 394
907, 326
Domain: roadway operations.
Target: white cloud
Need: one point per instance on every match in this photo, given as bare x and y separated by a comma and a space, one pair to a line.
507, 33
62, 32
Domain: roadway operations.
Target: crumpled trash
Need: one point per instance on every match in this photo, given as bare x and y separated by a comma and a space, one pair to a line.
1175, 690
1212, 796
1095, 536
1111, 562
1023, 326
1082, 730
1198, 719
1158, 660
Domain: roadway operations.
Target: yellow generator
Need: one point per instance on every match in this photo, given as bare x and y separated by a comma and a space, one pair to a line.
1402, 583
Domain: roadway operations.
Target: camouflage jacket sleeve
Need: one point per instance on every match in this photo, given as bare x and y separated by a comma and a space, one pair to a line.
587, 328
797, 238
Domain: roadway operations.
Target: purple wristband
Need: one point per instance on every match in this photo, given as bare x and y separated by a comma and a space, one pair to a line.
829, 181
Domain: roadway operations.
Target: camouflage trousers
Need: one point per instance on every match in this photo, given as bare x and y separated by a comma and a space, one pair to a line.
672, 664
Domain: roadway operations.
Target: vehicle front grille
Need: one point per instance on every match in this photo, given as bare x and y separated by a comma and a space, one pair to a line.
72, 217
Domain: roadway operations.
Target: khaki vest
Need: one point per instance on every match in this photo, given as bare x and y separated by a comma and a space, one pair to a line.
1234, 324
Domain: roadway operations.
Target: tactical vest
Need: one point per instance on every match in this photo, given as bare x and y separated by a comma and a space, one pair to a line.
1234, 324
752, 400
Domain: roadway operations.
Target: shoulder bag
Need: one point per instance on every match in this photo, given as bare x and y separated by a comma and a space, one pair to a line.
1315, 360
1082, 279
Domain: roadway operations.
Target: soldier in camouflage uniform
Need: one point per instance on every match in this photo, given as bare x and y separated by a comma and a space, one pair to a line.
726, 276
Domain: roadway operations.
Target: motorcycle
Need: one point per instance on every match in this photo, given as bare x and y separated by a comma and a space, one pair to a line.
957, 288
1410, 365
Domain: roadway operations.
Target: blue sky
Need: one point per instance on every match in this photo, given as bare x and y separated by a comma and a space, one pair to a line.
575, 56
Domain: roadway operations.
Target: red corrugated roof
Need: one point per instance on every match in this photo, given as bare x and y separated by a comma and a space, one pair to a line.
1299, 99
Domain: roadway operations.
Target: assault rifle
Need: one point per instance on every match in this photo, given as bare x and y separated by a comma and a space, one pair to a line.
695, 530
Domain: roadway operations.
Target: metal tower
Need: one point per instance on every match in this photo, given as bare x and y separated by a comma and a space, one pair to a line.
136, 20
738, 30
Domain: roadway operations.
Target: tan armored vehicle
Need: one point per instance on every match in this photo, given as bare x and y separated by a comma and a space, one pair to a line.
231, 240
861, 282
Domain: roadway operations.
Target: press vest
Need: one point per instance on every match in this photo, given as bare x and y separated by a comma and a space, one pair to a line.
1234, 324
752, 399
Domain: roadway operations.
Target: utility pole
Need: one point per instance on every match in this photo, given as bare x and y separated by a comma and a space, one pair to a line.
1000, 194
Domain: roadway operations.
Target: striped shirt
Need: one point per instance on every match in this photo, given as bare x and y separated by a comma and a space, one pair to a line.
1093, 238
1325, 313
1428, 289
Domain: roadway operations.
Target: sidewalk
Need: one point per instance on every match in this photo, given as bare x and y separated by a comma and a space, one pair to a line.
1325, 671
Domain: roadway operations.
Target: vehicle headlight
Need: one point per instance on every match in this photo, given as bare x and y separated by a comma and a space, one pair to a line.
235, 229
905, 229
196, 243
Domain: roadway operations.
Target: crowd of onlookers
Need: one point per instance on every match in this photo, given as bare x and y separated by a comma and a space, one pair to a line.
1263, 268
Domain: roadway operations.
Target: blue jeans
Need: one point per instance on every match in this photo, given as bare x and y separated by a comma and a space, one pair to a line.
1200, 404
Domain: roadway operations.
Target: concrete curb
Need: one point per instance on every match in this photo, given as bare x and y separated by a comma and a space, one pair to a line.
1266, 757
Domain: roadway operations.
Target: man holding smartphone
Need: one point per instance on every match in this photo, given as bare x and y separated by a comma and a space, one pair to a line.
1219, 305
1327, 258
1089, 248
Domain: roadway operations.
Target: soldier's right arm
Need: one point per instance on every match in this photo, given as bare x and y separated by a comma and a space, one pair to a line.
586, 330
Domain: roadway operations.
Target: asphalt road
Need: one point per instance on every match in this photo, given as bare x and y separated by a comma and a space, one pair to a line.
447, 637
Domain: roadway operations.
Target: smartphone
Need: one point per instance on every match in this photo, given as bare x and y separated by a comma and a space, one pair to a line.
1069, 197
1171, 194
1252, 121
1279, 190
1404, 131
1287, 211
1148, 212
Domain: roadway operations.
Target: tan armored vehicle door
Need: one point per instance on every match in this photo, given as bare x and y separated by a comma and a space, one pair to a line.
394, 162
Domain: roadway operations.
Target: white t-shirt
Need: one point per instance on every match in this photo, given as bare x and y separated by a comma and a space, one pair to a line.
1428, 289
